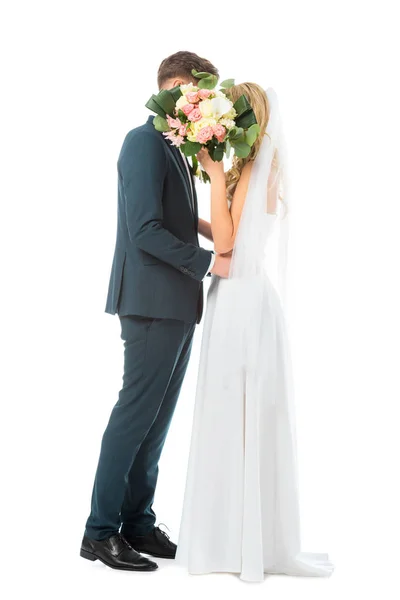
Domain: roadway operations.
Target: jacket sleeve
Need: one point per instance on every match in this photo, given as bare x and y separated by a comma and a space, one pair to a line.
143, 167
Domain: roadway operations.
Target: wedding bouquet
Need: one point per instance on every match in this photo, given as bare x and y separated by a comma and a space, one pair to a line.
194, 117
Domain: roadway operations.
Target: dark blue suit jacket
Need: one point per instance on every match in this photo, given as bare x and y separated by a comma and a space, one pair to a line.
158, 265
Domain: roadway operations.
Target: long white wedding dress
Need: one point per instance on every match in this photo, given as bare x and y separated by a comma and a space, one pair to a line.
240, 511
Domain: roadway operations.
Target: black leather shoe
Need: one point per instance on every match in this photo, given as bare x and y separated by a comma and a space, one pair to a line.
156, 543
115, 552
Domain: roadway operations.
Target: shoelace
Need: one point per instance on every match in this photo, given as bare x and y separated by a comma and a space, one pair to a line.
163, 532
125, 541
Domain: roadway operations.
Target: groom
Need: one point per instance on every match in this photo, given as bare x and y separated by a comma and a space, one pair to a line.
156, 289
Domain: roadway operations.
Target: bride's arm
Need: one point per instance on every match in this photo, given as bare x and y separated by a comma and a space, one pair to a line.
224, 221
205, 229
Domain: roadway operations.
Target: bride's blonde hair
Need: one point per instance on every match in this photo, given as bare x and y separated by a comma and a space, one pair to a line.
260, 105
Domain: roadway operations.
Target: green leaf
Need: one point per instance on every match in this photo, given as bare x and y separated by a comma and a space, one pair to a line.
232, 132
153, 105
176, 92
242, 150
219, 154
236, 133
245, 114
208, 83
246, 120
190, 148
201, 74
166, 100
195, 164
160, 124
163, 103
238, 140
252, 134
216, 151
228, 83
205, 177
228, 149
241, 105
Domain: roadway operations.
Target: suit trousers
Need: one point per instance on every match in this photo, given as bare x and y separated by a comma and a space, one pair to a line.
156, 356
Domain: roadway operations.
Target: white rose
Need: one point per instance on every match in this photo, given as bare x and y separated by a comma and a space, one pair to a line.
190, 135
188, 87
228, 123
206, 108
182, 101
231, 114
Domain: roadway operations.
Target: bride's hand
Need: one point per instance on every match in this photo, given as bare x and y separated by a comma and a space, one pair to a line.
211, 167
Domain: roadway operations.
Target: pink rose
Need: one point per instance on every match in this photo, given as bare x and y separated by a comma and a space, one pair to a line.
204, 135
173, 123
195, 115
187, 108
192, 97
204, 94
219, 131
183, 129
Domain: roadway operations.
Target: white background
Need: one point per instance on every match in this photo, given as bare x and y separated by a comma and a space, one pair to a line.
76, 76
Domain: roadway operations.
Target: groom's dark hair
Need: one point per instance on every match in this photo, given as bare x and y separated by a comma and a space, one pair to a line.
181, 64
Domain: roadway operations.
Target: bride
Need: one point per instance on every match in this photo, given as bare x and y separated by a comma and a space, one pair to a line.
240, 511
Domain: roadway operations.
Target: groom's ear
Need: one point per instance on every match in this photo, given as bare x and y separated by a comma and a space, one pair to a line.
174, 82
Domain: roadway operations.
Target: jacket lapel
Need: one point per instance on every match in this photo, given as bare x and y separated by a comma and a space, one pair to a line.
195, 203
178, 160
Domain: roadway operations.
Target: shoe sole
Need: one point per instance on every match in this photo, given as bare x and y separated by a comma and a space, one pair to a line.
93, 557
155, 555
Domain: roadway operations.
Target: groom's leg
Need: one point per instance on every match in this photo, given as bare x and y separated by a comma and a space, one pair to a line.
137, 515
152, 348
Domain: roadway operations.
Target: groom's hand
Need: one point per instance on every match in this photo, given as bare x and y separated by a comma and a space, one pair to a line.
221, 266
